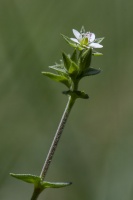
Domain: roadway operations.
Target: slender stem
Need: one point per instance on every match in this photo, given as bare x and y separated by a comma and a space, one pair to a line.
36, 193
58, 134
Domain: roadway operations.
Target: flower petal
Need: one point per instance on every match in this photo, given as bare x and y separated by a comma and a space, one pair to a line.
91, 37
76, 34
74, 40
95, 45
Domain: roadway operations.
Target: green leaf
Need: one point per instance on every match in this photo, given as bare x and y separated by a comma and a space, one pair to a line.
58, 68
27, 178
85, 59
55, 184
69, 41
90, 71
77, 94
73, 70
67, 61
74, 56
58, 78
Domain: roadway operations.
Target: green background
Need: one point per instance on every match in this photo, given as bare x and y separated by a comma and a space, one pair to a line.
96, 149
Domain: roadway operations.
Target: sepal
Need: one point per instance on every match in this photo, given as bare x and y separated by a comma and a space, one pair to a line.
72, 43
99, 40
82, 30
69, 41
96, 54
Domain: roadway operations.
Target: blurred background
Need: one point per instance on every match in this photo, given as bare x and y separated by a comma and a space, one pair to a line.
96, 149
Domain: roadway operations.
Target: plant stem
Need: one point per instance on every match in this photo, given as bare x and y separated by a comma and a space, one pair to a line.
35, 194
71, 101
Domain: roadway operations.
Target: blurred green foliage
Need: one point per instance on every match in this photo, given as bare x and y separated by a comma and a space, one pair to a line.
96, 150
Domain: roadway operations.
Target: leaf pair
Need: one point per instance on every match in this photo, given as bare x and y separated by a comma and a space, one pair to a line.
38, 183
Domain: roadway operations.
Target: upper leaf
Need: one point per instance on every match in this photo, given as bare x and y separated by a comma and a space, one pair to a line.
89, 72
67, 61
74, 56
85, 60
73, 70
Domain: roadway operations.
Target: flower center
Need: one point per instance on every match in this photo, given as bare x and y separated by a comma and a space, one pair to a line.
84, 41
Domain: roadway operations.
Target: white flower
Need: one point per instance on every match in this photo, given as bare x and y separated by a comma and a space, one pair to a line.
86, 39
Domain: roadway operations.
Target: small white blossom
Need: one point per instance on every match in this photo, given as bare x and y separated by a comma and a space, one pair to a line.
86, 40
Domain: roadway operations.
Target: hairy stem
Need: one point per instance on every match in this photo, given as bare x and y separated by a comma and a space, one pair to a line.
56, 139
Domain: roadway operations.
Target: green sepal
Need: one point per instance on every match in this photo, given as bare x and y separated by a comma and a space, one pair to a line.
77, 94
97, 54
72, 43
89, 72
82, 30
67, 61
69, 41
38, 183
85, 59
99, 40
58, 78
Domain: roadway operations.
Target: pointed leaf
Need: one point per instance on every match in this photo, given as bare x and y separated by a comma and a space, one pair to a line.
58, 78
74, 56
85, 59
55, 184
58, 68
29, 178
90, 71
73, 70
66, 60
